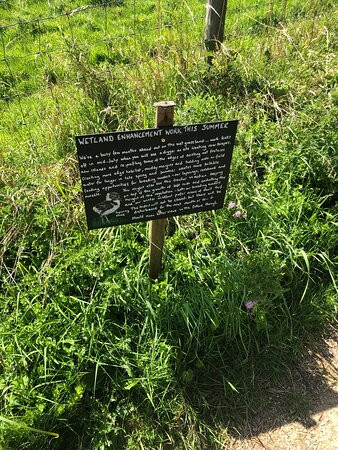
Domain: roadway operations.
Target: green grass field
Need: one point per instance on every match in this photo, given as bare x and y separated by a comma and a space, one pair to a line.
91, 349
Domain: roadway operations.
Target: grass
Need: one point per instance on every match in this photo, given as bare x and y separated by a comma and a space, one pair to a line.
91, 349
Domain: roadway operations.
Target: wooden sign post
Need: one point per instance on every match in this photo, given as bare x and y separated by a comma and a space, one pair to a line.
150, 175
164, 118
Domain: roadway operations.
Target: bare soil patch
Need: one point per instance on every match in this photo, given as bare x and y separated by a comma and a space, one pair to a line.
302, 412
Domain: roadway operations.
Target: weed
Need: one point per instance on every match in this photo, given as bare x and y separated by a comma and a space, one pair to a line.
93, 351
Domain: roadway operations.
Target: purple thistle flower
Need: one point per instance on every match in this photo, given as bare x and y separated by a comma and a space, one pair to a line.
232, 205
238, 214
250, 304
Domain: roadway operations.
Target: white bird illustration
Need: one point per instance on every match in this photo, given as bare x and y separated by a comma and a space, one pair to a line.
109, 206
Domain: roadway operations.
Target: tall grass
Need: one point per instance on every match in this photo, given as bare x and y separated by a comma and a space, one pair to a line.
91, 349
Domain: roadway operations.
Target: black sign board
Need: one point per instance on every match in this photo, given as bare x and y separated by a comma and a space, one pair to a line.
151, 174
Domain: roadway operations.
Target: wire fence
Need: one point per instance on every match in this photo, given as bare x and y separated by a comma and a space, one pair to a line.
105, 7
72, 13
28, 41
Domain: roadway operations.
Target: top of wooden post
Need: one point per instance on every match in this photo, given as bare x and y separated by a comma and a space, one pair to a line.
164, 114
167, 104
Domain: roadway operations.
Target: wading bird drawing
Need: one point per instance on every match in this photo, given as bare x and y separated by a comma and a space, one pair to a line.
109, 206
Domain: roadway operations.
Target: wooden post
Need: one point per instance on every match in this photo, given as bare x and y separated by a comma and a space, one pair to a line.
164, 118
215, 20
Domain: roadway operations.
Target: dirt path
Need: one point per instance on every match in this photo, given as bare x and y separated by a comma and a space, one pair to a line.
302, 413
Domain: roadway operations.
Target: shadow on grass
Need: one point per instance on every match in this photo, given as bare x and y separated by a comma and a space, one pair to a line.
302, 392
306, 390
